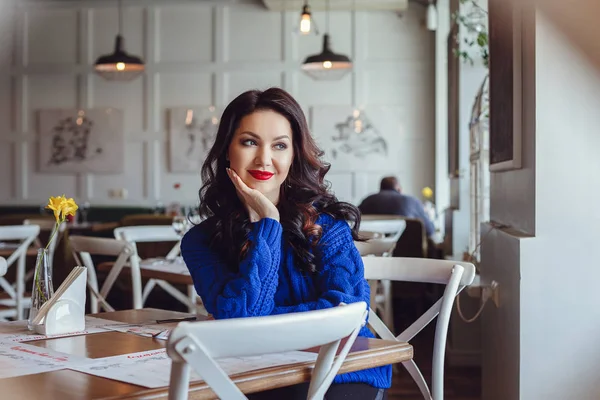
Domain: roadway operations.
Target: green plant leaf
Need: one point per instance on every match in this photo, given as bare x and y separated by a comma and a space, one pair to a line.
482, 39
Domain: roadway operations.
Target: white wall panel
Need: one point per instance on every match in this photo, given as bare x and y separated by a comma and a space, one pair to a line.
249, 37
188, 188
7, 32
408, 84
130, 180
52, 36
324, 92
123, 96
39, 185
183, 90
6, 106
239, 82
49, 91
341, 185
7, 163
185, 33
390, 37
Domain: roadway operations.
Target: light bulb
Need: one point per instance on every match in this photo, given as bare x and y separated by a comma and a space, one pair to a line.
327, 64
432, 17
305, 24
120, 66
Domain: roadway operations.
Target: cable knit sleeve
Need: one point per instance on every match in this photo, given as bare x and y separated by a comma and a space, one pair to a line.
341, 276
249, 292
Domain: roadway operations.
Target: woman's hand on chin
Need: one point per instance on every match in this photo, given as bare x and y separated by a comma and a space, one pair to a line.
256, 203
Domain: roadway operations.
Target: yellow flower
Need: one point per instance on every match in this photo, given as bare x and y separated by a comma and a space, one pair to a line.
69, 208
427, 192
54, 204
62, 207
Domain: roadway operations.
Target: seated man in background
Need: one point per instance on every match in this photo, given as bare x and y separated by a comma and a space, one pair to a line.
390, 200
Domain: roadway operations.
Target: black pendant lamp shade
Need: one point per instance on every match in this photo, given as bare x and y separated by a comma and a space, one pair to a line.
327, 65
119, 66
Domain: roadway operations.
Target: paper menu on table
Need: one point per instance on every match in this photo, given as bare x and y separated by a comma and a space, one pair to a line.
16, 331
152, 369
18, 359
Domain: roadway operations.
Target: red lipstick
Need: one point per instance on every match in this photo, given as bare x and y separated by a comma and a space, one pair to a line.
261, 175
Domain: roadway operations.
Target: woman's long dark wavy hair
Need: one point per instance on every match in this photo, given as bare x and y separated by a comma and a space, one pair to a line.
304, 194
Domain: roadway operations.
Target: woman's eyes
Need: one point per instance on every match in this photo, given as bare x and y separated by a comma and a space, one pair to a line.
250, 142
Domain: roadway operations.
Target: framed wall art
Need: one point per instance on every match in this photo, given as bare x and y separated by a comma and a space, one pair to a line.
192, 131
81, 140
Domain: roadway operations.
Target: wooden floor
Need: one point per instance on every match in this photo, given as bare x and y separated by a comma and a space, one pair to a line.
460, 383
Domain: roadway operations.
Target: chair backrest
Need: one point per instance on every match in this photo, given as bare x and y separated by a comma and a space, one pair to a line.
381, 247
149, 233
3, 266
146, 233
392, 228
454, 274
26, 234
197, 344
84, 247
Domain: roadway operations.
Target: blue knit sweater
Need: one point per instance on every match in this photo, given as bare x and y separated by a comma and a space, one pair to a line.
269, 283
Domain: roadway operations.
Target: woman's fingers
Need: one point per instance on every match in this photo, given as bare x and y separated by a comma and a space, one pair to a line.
258, 205
238, 182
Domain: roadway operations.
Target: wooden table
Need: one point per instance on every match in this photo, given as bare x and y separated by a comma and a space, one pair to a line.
67, 384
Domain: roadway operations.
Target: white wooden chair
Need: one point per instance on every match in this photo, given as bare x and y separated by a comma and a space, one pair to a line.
455, 275
380, 247
16, 301
3, 266
160, 233
197, 344
85, 246
46, 225
381, 290
390, 228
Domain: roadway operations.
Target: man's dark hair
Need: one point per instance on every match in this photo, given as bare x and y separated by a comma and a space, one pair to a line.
388, 183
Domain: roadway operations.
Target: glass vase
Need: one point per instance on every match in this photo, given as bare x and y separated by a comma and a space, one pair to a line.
42, 285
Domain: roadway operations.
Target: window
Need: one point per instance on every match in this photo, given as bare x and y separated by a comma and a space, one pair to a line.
479, 167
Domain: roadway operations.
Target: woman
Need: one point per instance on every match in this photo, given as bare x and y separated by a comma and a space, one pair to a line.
275, 240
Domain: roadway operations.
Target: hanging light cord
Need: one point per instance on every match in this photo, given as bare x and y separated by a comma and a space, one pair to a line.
327, 16
120, 18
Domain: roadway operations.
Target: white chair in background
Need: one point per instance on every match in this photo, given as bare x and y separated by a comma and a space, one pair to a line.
198, 344
3, 266
391, 228
85, 246
381, 290
27, 235
161, 233
46, 225
455, 275
380, 247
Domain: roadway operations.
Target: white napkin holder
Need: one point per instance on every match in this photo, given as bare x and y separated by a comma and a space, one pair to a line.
65, 311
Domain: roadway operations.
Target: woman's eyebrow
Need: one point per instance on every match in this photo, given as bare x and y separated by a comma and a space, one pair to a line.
254, 135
